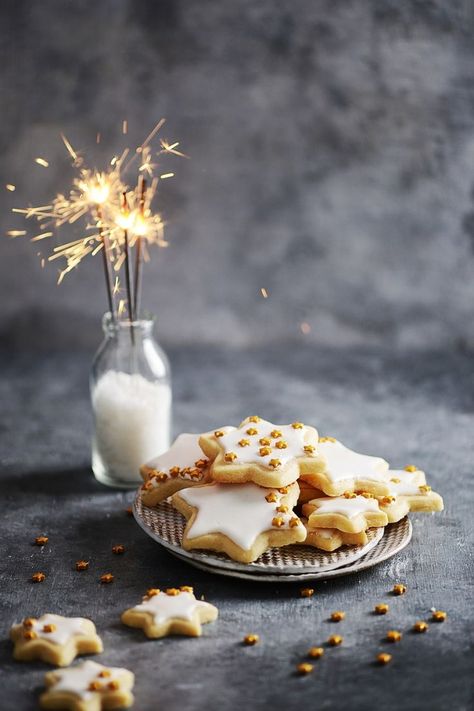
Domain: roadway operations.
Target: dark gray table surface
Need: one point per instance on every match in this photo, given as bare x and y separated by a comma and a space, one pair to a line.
408, 408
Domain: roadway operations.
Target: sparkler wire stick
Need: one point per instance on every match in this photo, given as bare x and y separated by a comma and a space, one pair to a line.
128, 266
107, 267
138, 254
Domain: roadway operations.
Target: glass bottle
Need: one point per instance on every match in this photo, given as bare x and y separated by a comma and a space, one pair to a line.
131, 401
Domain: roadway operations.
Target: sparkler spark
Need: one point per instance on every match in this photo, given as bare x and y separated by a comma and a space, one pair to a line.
305, 328
96, 199
10, 187
264, 292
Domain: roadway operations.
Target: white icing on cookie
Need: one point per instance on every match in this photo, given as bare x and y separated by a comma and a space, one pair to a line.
247, 446
343, 463
184, 452
63, 628
76, 680
164, 607
408, 484
239, 511
346, 507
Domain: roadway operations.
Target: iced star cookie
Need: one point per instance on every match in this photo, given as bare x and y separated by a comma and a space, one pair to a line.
423, 501
263, 453
242, 520
330, 539
174, 611
349, 513
88, 687
54, 639
346, 470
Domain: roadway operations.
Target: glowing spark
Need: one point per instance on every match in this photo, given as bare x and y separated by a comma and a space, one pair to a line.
69, 148
122, 307
10, 187
42, 161
43, 262
167, 175
116, 286
124, 127
167, 148
41, 236
305, 328
97, 138
16, 233
264, 292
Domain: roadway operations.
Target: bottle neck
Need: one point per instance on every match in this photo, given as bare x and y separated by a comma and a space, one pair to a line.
119, 328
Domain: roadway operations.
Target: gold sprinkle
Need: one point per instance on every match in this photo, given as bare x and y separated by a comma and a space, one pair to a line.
381, 609
337, 616
297, 425
399, 589
29, 634
395, 480
49, 628
28, 622
411, 468
275, 434
82, 565
104, 674
283, 490
264, 451
384, 658
315, 652
230, 456
172, 592
113, 685
294, 522
420, 627
275, 463
175, 471
151, 592
251, 639
327, 439
393, 636
95, 686
186, 588
201, 463
218, 433
254, 418
252, 431
271, 497
281, 444
309, 448
387, 500
265, 441
38, 577
365, 494
41, 540
278, 522
304, 668
438, 616
118, 550
244, 443
307, 592
106, 578
424, 489
282, 509
335, 640
349, 495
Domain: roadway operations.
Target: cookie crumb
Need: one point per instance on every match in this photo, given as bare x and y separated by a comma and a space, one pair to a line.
82, 565
337, 616
315, 652
420, 627
438, 616
41, 540
393, 636
251, 639
384, 658
307, 592
38, 577
381, 609
106, 578
118, 550
304, 668
335, 640
399, 589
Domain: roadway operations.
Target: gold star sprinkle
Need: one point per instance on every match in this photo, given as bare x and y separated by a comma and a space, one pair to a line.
304, 668
244, 443
327, 439
399, 589
278, 522
281, 444
411, 468
38, 577
254, 418
381, 609
230, 456
264, 451
274, 463
41, 540
384, 658
393, 636
82, 565
420, 627
118, 550
315, 652
337, 616
335, 640
297, 425
275, 434
252, 431
218, 433
271, 497
251, 639
438, 616
107, 578
307, 592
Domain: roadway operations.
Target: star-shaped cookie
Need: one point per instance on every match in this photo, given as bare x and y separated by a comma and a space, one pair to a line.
349, 513
409, 493
330, 539
88, 687
346, 470
261, 452
174, 611
242, 520
183, 465
54, 639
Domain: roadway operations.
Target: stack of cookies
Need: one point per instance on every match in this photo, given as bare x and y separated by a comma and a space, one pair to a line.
260, 485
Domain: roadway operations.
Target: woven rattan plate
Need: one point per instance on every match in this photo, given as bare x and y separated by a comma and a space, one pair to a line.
166, 525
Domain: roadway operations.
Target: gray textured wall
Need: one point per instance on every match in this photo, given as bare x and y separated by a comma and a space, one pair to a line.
332, 162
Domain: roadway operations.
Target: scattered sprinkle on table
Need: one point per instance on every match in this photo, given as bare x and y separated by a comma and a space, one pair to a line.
38, 577
82, 565
315, 652
304, 668
251, 639
399, 589
335, 640
438, 616
307, 592
118, 550
106, 578
337, 616
381, 609
384, 658
41, 540
420, 627
393, 636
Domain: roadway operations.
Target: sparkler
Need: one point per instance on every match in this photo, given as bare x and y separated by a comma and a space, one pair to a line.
118, 218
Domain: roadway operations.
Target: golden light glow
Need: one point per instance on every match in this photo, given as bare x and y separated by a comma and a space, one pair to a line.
264, 292
10, 187
305, 328
42, 161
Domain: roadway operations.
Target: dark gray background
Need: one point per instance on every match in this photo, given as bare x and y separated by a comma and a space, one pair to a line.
332, 153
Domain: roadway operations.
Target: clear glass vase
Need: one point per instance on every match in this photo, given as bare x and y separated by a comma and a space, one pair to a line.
131, 401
